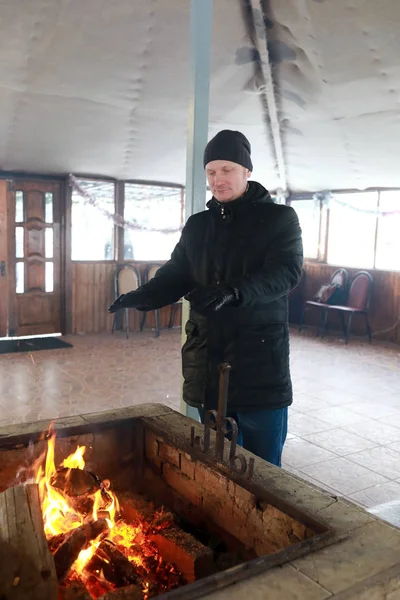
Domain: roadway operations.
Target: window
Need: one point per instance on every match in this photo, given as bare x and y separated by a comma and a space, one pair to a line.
351, 235
153, 210
308, 212
362, 230
93, 226
388, 238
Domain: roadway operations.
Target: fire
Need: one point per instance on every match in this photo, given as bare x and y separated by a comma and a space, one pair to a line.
63, 512
60, 515
75, 460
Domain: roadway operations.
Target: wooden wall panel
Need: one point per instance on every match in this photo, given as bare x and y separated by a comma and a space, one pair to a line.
93, 292
385, 303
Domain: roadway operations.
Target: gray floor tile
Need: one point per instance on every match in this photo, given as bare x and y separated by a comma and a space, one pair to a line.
382, 460
375, 410
303, 424
378, 494
339, 415
376, 431
300, 453
340, 441
343, 475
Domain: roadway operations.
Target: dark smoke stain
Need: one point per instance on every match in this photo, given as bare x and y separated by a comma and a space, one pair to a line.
293, 97
279, 51
289, 128
245, 55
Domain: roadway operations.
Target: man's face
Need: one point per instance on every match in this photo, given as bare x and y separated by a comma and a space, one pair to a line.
227, 180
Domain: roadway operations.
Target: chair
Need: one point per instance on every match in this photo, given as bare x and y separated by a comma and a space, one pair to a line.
296, 300
174, 310
340, 278
126, 279
358, 302
150, 272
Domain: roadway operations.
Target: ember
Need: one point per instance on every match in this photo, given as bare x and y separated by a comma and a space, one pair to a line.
95, 550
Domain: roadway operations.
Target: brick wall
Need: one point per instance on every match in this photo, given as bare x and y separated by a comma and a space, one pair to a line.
204, 495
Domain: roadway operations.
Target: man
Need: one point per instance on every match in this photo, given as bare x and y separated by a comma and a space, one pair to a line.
236, 263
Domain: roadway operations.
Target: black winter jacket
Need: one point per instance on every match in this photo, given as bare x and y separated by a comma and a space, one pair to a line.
253, 245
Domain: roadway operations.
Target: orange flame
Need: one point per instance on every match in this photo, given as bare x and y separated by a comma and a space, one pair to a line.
60, 515
75, 460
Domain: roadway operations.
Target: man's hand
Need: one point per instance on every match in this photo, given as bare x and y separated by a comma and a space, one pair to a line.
117, 304
212, 298
137, 299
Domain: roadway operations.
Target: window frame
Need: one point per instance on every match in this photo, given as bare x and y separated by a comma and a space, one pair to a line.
119, 209
324, 225
322, 233
115, 227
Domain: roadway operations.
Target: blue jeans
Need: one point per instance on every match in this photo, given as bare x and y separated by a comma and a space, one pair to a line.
262, 432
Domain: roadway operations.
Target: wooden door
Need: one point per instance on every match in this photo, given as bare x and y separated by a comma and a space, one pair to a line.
34, 258
3, 260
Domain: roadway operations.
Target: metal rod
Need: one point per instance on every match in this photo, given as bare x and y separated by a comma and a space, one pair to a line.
222, 408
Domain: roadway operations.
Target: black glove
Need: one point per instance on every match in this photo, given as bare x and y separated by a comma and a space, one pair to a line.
137, 299
212, 298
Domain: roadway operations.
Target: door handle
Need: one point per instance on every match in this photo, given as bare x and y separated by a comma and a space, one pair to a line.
3, 268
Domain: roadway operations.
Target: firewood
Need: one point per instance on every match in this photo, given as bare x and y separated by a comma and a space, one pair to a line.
75, 590
76, 541
130, 592
75, 482
96, 566
55, 541
26, 564
124, 571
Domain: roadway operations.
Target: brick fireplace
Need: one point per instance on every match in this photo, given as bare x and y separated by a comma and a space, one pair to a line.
265, 532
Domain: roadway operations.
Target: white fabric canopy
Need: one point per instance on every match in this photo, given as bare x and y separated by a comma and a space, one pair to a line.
101, 87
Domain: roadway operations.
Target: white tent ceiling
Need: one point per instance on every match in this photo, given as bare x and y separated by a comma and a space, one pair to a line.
102, 87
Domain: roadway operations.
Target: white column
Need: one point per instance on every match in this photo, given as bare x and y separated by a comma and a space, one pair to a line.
200, 50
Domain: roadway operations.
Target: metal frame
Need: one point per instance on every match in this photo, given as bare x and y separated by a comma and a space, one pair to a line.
156, 310
117, 319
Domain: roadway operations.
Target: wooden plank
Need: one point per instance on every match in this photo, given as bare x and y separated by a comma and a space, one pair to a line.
26, 565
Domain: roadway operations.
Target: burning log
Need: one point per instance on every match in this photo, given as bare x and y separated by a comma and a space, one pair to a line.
75, 482
74, 542
130, 592
76, 590
119, 570
26, 565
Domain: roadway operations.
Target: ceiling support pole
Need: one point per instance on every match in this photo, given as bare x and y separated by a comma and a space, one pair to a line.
200, 51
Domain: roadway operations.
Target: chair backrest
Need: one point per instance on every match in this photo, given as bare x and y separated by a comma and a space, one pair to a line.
126, 279
360, 291
151, 271
340, 277
301, 285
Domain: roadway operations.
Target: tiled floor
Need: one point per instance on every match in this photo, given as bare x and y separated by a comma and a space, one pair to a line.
344, 424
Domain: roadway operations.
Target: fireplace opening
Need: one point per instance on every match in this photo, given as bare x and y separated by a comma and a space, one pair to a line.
129, 508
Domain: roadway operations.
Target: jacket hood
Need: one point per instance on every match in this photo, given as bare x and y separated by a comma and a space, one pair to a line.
255, 194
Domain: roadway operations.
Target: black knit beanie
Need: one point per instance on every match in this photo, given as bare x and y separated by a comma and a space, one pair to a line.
229, 145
